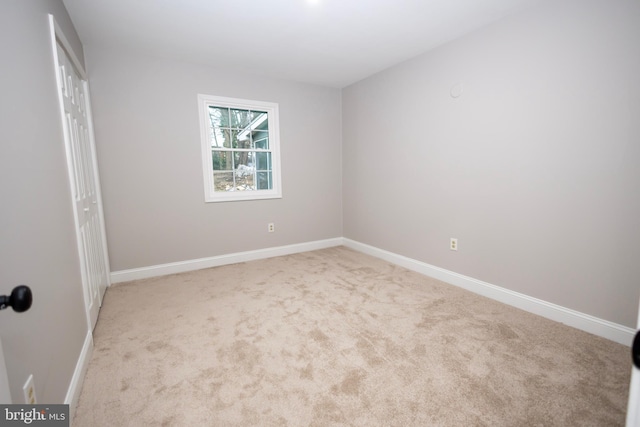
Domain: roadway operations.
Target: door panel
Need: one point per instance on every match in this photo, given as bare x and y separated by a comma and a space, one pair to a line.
84, 183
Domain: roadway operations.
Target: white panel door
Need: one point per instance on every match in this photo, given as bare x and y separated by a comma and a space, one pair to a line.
633, 409
84, 183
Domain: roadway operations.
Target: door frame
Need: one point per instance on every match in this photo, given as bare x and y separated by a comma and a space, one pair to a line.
633, 408
58, 37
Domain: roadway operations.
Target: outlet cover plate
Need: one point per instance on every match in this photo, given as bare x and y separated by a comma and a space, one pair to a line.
29, 391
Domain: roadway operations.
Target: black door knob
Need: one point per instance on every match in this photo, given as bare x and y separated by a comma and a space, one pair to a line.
20, 299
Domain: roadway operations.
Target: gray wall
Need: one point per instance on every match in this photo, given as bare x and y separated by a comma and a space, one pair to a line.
535, 168
148, 141
37, 243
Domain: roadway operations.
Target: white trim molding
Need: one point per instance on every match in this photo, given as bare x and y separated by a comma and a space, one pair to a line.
75, 387
56, 33
585, 322
216, 261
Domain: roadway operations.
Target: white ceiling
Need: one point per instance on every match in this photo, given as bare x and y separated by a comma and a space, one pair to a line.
326, 42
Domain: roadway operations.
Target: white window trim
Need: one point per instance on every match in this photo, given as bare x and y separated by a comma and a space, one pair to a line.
204, 101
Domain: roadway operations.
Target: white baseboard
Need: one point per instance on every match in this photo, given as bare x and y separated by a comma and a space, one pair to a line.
75, 387
603, 328
215, 261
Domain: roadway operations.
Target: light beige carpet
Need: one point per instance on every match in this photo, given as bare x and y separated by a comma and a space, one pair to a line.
335, 337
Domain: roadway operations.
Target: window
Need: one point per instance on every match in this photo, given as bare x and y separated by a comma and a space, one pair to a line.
240, 149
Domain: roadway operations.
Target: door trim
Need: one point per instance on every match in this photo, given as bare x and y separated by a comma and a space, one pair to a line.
5, 393
82, 365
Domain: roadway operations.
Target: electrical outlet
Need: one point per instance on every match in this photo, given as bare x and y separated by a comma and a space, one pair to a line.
29, 391
271, 227
453, 244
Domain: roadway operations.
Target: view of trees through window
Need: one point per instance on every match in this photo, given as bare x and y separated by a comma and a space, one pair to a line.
241, 155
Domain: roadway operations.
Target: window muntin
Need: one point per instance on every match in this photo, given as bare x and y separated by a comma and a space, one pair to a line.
240, 149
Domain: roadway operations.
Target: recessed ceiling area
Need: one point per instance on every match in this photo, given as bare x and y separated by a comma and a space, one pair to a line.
326, 42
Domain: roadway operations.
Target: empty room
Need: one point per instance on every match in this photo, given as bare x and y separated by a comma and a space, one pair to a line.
321, 212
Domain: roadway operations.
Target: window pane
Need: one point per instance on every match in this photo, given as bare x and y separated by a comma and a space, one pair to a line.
244, 162
217, 138
221, 160
240, 119
223, 181
241, 139
259, 120
244, 180
219, 117
261, 139
244, 158
223, 138
263, 161
264, 180
252, 159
